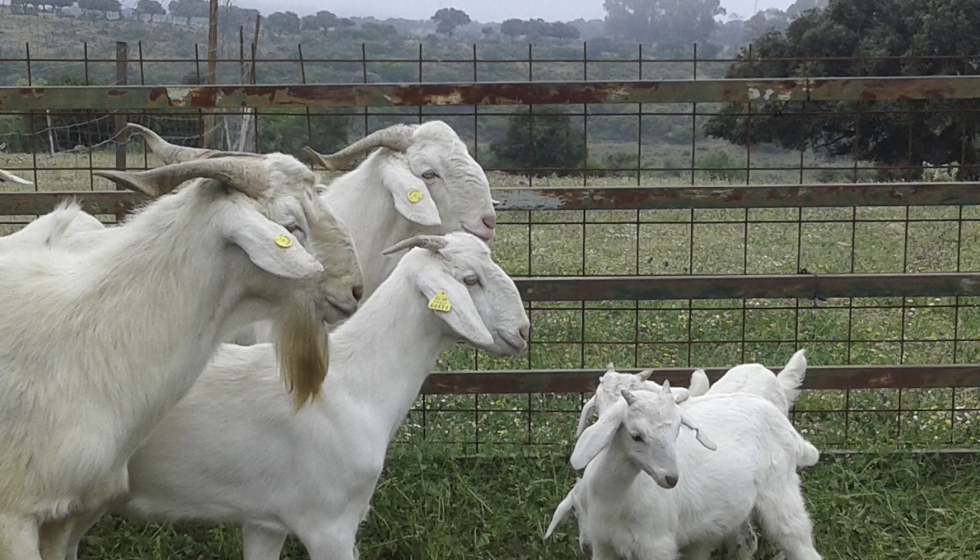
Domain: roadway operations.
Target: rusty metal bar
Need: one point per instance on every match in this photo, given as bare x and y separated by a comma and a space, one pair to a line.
817, 377
740, 196
94, 202
681, 196
500, 93
804, 286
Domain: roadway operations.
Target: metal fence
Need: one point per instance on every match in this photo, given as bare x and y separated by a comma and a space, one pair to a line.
649, 253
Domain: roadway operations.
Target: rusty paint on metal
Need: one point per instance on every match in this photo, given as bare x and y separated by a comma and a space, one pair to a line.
817, 377
93, 202
803, 286
494, 93
746, 196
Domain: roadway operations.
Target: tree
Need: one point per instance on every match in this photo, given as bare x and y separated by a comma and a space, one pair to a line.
544, 139
666, 23
892, 136
283, 22
448, 19
150, 8
59, 5
513, 28
188, 9
101, 6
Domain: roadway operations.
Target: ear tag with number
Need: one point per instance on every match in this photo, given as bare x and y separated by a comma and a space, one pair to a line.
414, 196
283, 241
440, 302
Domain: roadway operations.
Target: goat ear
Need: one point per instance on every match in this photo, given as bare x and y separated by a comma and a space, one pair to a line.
411, 196
461, 314
596, 437
268, 245
680, 394
583, 419
698, 434
699, 383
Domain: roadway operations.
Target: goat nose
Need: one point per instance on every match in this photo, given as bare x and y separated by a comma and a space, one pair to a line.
490, 221
671, 481
357, 292
524, 331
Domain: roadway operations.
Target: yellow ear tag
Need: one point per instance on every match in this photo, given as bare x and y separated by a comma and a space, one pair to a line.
414, 196
283, 241
440, 303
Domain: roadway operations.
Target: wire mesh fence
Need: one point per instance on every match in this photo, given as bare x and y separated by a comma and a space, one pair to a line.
710, 239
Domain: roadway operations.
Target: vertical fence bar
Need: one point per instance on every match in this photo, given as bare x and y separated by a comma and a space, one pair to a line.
302, 74
208, 140
91, 161
30, 118
139, 46
122, 77
476, 121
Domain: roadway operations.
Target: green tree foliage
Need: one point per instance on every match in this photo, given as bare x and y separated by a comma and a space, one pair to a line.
59, 5
448, 19
188, 9
544, 139
231, 18
536, 28
150, 8
287, 131
865, 29
101, 6
283, 22
669, 24
325, 21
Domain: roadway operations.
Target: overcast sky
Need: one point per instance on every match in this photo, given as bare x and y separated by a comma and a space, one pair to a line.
479, 10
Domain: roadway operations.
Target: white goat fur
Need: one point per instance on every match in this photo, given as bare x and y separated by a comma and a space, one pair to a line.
608, 392
66, 221
134, 320
782, 390
234, 451
634, 513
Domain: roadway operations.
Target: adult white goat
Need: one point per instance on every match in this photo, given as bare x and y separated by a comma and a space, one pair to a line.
420, 180
8, 177
66, 221
652, 490
134, 320
234, 451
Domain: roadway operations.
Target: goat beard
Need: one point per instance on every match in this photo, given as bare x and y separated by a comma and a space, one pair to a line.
303, 352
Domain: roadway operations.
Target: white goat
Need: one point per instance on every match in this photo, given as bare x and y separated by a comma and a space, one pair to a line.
783, 389
608, 392
97, 345
420, 180
66, 221
234, 451
8, 177
652, 491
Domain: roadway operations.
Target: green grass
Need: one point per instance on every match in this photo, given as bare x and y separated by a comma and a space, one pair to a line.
432, 505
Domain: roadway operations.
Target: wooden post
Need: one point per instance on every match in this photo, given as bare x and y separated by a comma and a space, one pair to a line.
122, 69
212, 68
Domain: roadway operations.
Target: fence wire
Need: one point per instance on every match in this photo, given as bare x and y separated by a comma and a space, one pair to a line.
621, 145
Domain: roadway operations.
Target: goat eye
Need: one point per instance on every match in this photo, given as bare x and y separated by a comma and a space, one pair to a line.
637, 438
471, 280
293, 229
429, 175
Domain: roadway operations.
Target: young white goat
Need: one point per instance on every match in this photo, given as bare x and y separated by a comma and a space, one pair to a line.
66, 221
782, 390
233, 450
97, 345
610, 388
652, 490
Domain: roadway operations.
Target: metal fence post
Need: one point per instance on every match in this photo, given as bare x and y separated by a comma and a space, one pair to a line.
122, 69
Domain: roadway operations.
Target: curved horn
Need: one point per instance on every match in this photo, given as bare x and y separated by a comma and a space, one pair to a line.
244, 174
397, 138
433, 243
6, 176
172, 153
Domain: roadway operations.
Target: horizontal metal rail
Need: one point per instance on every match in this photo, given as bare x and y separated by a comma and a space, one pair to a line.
490, 93
805, 286
817, 377
611, 198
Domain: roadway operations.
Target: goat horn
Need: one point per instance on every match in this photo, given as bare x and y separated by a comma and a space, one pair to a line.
433, 243
645, 374
172, 153
244, 174
630, 399
397, 138
6, 176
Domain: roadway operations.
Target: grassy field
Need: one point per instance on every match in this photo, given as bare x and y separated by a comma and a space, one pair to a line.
478, 476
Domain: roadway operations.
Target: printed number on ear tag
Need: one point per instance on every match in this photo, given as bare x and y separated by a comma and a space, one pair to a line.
414, 196
440, 303
283, 241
